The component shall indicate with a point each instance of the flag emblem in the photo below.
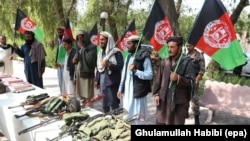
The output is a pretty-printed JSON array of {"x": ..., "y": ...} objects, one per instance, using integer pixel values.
[
  {"x": 217, "y": 34},
  {"x": 124, "y": 41},
  {"x": 162, "y": 31},
  {"x": 27, "y": 24},
  {"x": 94, "y": 40}
]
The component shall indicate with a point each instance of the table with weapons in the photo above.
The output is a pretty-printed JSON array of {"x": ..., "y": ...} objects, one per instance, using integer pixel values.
[{"x": 23, "y": 120}]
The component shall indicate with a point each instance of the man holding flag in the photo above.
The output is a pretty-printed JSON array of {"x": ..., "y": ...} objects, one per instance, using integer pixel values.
[
  {"x": 34, "y": 54},
  {"x": 135, "y": 83},
  {"x": 60, "y": 54},
  {"x": 173, "y": 85}
]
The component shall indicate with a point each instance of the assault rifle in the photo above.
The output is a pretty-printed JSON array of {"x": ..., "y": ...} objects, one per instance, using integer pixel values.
[
  {"x": 21, "y": 105},
  {"x": 39, "y": 109},
  {"x": 32, "y": 100},
  {"x": 53, "y": 119},
  {"x": 74, "y": 129}
]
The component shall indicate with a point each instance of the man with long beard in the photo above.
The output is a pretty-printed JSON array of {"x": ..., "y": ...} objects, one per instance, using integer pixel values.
[
  {"x": 136, "y": 79},
  {"x": 34, "y": 54},
  {"x": 109, "y": 66}
]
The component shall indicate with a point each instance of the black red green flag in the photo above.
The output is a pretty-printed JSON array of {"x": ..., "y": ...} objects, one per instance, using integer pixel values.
[
  {"x": 24, "y": 23},
  {"x": 67, "y": 31},
  {"x": 122, "y": 40},
  {"x": 214, "y": 34},
  {"x": 93, "y": 35},
  {"x": 157, "y": 28}
]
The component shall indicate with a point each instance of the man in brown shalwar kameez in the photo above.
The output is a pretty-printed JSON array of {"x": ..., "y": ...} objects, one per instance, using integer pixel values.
[{"x": 174, "y": 85}]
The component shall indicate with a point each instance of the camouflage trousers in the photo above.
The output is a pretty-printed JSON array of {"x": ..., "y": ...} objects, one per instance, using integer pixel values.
[{"x": 195, "y": 106}]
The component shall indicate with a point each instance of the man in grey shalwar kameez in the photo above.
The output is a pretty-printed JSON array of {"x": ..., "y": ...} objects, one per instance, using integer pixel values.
[{"x": 109, "y": 67}]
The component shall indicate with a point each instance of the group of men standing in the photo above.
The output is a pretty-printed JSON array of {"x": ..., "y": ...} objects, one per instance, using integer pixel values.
[{"x": 81, "y": 69}]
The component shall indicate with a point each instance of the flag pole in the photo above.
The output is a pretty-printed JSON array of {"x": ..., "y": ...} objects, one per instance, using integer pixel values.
[
  {"x": 138, "y": 45},
  {"x": 14, "y": 40},
  {"x": 177, "y": 65}
]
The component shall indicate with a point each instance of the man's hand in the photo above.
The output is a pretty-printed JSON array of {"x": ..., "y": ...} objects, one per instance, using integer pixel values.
[
  {"x": 74, "y": 82},
  {"x": 11, "y": 57},
  {"x": 96, "y": 85},
  {"x": 119, "y": 94},
  {"x": 105, "y": 63},
  {"x": 173, "y": 76},
  {"x": 42, "y": 70},
  {"x": 198, "y": 78},
  {"x": 132, "y": 67},
  {"x": 157, "y": 100},
  {"x": 75, "y": 60},
  {"x": 58, "y": 65},
  {"x": 15, "y": 46}
]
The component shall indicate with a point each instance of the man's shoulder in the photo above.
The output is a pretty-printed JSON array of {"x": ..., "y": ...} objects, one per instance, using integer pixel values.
[{"x": 37, "y": 43}]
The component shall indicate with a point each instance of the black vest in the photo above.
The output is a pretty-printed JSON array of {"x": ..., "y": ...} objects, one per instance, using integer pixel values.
[{"x": 141, "y": 87}]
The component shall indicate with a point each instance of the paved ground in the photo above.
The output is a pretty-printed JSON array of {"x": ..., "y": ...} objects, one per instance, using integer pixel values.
[{"x": 51, "y": 84}]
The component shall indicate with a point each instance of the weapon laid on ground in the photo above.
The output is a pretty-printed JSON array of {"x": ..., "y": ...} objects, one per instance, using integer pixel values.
[
  {"x": 74, "y": 129},
  {"x": 30, "y": 112},
  {"x": 56, "y": 118},
  {"x": 40, "y": 106},
  {"x": 73, "y": 105},
  {"x": 32, "y": 100},
  {"x": 21, "y": 105}
]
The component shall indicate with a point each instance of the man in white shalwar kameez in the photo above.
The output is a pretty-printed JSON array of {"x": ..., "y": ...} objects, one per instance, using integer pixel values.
[
  {"x": 6, "y": 56},
  {"x": 135, "y": 84},
  {"x": 68, "y": 84}
]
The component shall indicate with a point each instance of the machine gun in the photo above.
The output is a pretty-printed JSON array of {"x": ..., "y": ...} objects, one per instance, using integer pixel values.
[
  {"x": 53, "y": 119},
  {"x": 74, "y": 129}
]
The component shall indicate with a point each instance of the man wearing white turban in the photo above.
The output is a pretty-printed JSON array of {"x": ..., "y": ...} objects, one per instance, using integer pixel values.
[
  {"x": 109, "y": 66},
  {"x": 136, "y": 79}
]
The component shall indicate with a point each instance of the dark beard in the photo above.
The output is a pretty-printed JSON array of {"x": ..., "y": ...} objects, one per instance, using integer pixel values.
[
  {"x": 132, "y": 50},
  {"x": 29, "y": 42},
  {"x": 60, "y": 37}
]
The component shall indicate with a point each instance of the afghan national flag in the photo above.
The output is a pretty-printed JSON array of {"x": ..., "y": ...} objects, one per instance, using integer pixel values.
[
  {"x": 23, "y": 23},
  {"x": 67, "y": 31},
  {"x": 214, "y": 34},
  {"x": 157, "y": 28},
  {"x": 122, "y": 40},
  {"x": 93, "y": 35}
]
